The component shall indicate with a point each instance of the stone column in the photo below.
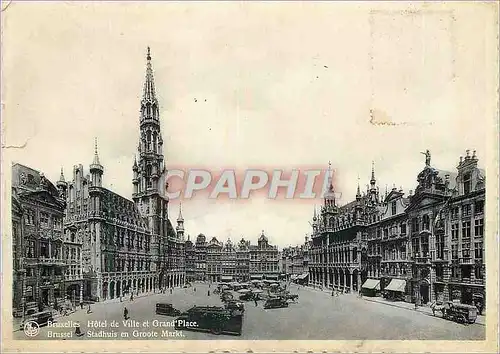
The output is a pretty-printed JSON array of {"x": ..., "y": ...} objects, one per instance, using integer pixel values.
[
  {"x": 345, "y": 281},
  {"x": 350, "y": 284},
  {"x": 359, "y": 281},
  {"x": 81, "y": 291}
]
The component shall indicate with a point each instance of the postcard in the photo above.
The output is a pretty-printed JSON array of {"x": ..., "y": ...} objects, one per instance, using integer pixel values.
[{"x": 250, "y": 176}]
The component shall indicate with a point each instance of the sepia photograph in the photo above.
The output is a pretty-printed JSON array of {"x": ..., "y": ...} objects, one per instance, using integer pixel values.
[{"x": 228, "y": 175}]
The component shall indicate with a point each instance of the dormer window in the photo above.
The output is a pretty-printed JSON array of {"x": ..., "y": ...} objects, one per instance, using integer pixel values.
[
  {"x": 393, "y": 206},
  {"x": 467, "y": 183}
]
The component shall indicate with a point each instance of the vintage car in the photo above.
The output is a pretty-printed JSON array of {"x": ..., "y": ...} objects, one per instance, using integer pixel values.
[
  {"x": 456, "y": 312},
  {"x": 226, "y": 296},
  {"x": 236, "y": 307},
  {"x": 293, "y": 297},
  {"x": 41, "y": 318},
  {"x": 163, "y": 308},
  {"x": 276, "y": 302},
  {"x": 247, "y": 296},
  {"x": 214, "y": 319}
]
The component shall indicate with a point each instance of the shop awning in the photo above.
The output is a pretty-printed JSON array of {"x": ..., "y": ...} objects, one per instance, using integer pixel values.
[
  {"x": 397, "y": 285},
  {"x": 293, "y": 277},
  {"x": 303, "y": 276},
  {"x": 256, "y": 276},
  {"x": 273, "y": 276},
  {"x": 226, "y": 278},
  {"x": 371, "y": 284}
]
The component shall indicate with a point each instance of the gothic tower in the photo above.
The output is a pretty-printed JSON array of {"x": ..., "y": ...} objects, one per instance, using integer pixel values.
[
  {"x": 180, "y": 225},
  {"x": 147, "y": 170}
]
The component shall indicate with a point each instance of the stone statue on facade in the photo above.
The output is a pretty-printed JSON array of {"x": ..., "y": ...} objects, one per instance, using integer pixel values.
[{"x": 427, "y": 154}]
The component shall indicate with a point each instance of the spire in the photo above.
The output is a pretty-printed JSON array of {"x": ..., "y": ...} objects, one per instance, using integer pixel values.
[
  {"x": 358, "y": 192},
  {"x": 135, "y": 163},
  {"x": 315, "y": 216},
  {"x": 180, "y": 218},
  {"x": 372, "y": 180},
  {"x": 330, "y": 183},
  {"x": 149, "y": 94},
  {"x": 96, "y": 155},
  {"x": 61, "y": 177}
]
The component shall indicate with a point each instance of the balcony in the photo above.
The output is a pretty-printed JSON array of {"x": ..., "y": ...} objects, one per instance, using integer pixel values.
[
  {"x": 466, "y": 260},
  {"x": 419, "y": 259},
  {"x": 45, "y": 261}
]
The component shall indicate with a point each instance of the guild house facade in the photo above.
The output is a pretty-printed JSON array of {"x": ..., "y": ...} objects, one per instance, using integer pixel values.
[
  {"x": 39, "y": 264},
  {"x": 89, "y": 242},
  {"x": 426, "y": 247},
  {"x": 216, "y": 261}
]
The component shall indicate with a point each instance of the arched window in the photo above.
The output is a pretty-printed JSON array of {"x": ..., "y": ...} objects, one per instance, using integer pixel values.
[
  {"x": 148, "y": 140},
  {"x": 155, "y": 147}
]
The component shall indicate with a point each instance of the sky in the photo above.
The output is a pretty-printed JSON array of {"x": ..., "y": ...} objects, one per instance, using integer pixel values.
[{"x": 254, "y": 84}]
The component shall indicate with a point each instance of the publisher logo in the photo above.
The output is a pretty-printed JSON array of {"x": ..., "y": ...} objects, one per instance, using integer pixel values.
[{"x": 31, "y": 329}]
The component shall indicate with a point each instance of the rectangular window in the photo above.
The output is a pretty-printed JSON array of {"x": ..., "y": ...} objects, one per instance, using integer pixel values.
[
  {"x": 479, "y": 227},
  {"x": 403, "y": 229},
  {"x": 466, "y": 210},
  {"x": 478, "y": 250},
  {"x": 466, "y": 250},
  {"x": 466, "y": 229},
  {"x": 479, "y": 207},
  {"x": 454, "y": 251},
  {"x": 454, "y": 213},
  {"x": 44, "y": 219},
  {"x": 454, "y": 231},
  {"x": 393, "y": 205}
]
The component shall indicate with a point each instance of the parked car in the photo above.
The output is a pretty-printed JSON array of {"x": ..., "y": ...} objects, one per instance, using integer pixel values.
[
  {"x": 41, "y": 318},
  {"x": 456, "y": 312},
  {"x": 214, "y": 319},
  {"x": 236, "y": 307},
  {"x": 247, "y": 297},
  {"x": 166, "y": 309},
  {"x": 293, "y": 297},
  {"x": 276, "y": 302}
]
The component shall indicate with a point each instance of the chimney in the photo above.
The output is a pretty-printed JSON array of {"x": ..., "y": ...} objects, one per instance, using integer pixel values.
[
  {"x": 446, "y": 180},
  {"x": 474, "y": 155},
  {"x": 410, "y": 193},
  {"x": 467, "y": 156},
  {"x": 461, "y": 159}
]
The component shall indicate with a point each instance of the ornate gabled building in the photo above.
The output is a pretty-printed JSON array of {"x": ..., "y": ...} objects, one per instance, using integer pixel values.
[
  {"x": 190, "y": 261},
  {"x": 264, "y": 260},
  {"x": 243, "y": 260},
  {"x": 39, "y": 245},
  {"x": 214, "y": 260},
  {"x": 388, "y": 248},
  {"x": 339, "y": 239},
  {"x": 229, "y": 260},
  {"x": 446, "y": 216},
  {"x": 201, "y": 258}
]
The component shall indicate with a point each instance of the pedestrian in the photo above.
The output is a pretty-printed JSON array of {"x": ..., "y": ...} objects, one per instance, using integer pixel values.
[
  {"x": 131, "y": 296},
  {"x": 208, "y": 292},
  {"x": 194, "y": 289},
  {"x": 125, "y": 313},
  {"x": 81, "y": 305},
  {"x": 78, "y": 331},
  {"x": 170, "y": 291},
  {"x": 255, "y": 300},
  {"x": 89, "y": 310}
]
